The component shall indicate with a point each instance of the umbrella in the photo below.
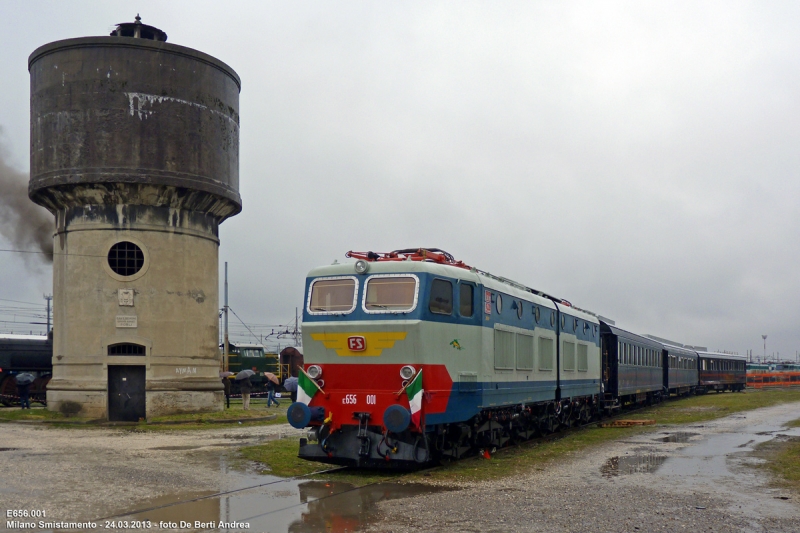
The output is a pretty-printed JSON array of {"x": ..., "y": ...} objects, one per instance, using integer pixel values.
[
  {"x": 290, "y": 384},
  {"x": 225, "y": 374},
  {"x": 244, "y": 374},
  {"x": 25, "y": 378},
  {"x": 270, "y": 376}
]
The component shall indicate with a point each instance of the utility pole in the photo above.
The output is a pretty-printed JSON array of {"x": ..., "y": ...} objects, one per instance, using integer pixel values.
[
  {"x": 48, "y": 297},
  {"x": 225, "y": 311},
  {"x": 765, "y": 347},
  {"x": 296, "y": 333}
]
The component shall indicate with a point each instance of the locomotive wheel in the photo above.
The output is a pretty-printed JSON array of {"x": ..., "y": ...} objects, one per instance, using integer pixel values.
[
  {"x": 549, "y": 424},
  {"x": 584, "y": 415}
]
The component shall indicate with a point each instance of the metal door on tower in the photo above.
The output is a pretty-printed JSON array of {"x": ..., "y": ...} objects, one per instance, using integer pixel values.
[{"x": 126, "y": 393}]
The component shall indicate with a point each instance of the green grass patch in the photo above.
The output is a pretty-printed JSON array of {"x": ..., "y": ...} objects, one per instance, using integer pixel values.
[
  {"x": 713, "y": 405},
  {"x": 186, "y": 421},
  {"x": 782, "y": 456},
  {"x": 234, "y": 413},
  {"x": 794, "y": 424},
  {"x": 35, "y": 414}
]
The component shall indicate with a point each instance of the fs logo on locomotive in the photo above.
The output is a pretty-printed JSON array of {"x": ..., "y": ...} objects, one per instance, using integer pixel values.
[{"x": 357, "y": 343}]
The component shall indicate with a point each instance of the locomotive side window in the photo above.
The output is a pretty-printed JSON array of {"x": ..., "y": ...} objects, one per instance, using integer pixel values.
[
  {"x": 524, "y": 351},
  {"x": 545, "y": 354},
  {"x": 503, "y": 350},
  {"x": 390, "y": 294},
  {"x": 441, "y": 301},
  {"x": 331, "y": 296},
  {"x": 465, "y": 305},
  {"x": 569, "y": 356},
  {"x": 583, "y": 358}
]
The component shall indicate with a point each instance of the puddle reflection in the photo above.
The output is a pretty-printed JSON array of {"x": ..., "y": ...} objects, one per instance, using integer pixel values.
[
  {"x": 286, "y": 506},
  {"x": 340, "y": 507},
  {"x": 679, "y": 437},
  {"x": 632, "y": 464}
]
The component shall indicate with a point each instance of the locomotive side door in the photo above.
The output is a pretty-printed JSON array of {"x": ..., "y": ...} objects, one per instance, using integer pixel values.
[{"x": 126, "y": 392}]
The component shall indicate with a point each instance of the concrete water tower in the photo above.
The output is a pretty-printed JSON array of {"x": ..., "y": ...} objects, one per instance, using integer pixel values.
[{"x": 135, "y": 150}]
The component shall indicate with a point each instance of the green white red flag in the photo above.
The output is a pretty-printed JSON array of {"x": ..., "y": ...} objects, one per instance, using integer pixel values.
[
  {"x": 414, "y": 391},
  {"x": 306, "y": 388}
]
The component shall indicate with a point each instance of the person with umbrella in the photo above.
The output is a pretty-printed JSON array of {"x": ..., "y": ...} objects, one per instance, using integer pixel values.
[
  {"x": 24, "y": 381},
  {"x": 291, "y": 385},
  {"x": 246, "y": 386},
  {"x": 272, "y": 385}
]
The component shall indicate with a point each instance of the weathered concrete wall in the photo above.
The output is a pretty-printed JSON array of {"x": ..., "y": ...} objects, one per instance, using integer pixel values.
[{"x": 175, "y": 305}]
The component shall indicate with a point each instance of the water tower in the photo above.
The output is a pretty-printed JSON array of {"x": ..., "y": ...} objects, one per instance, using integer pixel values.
[{"x": 135, "y": 150}]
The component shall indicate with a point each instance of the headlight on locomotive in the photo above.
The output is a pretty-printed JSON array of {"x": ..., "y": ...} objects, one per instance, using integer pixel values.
[
  {"x": 314, "y": 371},
  {"x": 407, "y": 372}
]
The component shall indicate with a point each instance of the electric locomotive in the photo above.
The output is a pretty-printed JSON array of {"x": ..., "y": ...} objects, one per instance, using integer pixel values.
[{"x": 418, "y": 357}]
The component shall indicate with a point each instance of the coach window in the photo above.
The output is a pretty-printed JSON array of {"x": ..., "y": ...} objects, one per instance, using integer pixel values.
[
  {"x": 441, "y": 301},
  {"x": 465, "y": 304},
  {"x": 536, "y": 313},
  {"x": 498, "y": 303}
]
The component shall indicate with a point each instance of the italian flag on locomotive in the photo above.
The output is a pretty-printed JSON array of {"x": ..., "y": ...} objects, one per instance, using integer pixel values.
[{"x": 412, "y": 356}]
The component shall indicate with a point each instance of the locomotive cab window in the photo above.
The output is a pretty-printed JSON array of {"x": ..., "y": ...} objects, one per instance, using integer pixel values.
[
  {"x": 441, "y": 299},
  {"x": 465, "y": 304},
  {"x": 390, "y": 294},
  {"x": 332, "y": 296}
]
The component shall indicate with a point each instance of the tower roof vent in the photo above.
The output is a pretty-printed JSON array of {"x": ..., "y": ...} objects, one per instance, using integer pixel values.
[{"x": 137, "y": 30}]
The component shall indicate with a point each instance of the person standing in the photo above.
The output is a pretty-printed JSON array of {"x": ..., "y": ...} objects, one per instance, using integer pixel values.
[
  {"x": 271, "y": 394},
  {"x": 226, "y": 382},
  {"x": 246, "y": 386},
  {"x": 23, "y": 390}
]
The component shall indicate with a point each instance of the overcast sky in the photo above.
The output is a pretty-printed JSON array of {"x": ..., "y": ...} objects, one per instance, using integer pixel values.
[{"x": 639, "y": 159}]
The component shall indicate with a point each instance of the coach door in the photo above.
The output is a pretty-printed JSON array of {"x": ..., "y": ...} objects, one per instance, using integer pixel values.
[{"x": 126, "y": 396}]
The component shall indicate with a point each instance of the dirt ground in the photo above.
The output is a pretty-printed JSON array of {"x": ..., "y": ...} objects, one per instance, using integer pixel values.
[
  {"x": 78, "y": 474},
  {"x": 689, "y": 478},
  {"x": 701, "y": 479}
]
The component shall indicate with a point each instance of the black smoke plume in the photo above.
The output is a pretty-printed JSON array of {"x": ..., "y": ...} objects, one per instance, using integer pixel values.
[{"x": 26, "y": 225}]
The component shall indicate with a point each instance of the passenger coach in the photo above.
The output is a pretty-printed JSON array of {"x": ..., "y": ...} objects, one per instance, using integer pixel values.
[{"x": 721, "y": 372}]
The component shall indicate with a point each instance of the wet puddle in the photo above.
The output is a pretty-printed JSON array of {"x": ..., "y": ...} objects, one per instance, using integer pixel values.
[
  {"x": 632, "y": 464},
  {"x": 679, "y": 437},
  {"x": 271, "y": 504}
]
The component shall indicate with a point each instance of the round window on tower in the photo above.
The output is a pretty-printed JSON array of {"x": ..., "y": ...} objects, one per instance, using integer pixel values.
[{"x": 125, "y": 258}]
